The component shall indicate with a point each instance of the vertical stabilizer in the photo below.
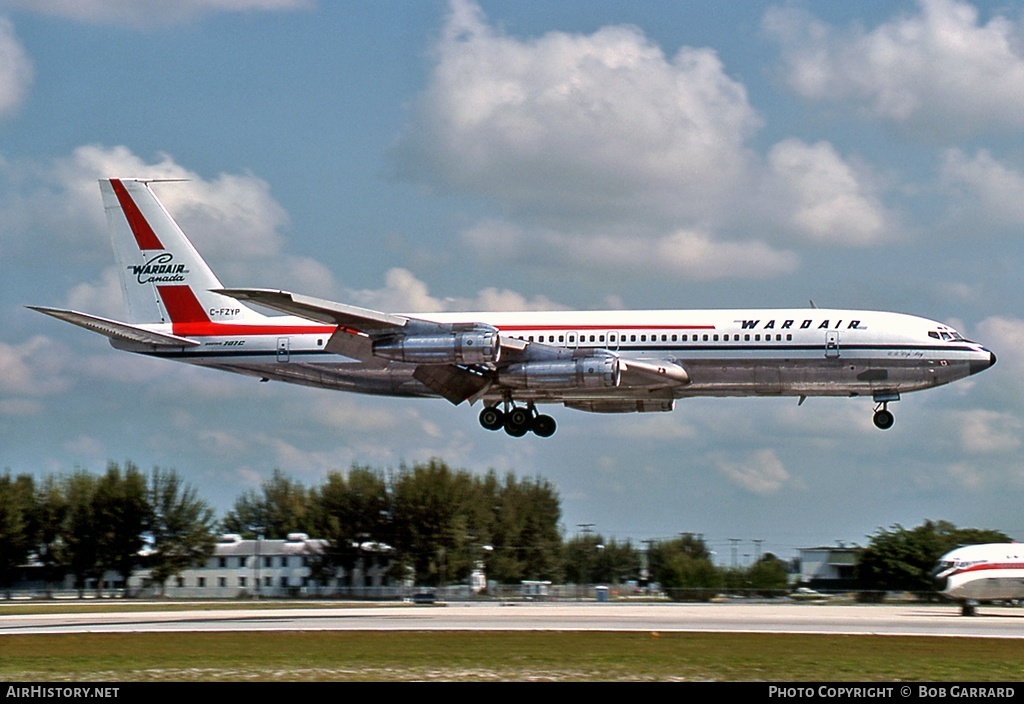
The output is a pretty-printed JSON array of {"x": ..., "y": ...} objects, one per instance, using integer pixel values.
[{"x": 163, "y": 277}]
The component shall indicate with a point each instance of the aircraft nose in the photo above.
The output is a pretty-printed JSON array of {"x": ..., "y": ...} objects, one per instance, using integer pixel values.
[
  {"x": 981, "y": 365},
  {"x": 940, "y": 578}
]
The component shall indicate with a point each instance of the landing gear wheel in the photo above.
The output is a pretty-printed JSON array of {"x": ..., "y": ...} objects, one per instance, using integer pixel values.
[
  {"x": 518, "y": 422},
  {"x": 544, "y": 426},
  {"x": 884, "y": 419},
  {"x": 492, "y": 418},
  {"x": 516, "y": 431}
]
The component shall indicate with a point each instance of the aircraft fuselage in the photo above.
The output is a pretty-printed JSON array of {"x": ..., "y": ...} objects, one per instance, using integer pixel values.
[{"x": 797, "y": 352}]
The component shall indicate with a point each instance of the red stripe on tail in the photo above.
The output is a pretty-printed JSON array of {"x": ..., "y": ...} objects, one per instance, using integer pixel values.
[
  {"x": 144, "y": 235},
  {"x": 182, "y": 305},
  {"x": 189, "y": 318}
]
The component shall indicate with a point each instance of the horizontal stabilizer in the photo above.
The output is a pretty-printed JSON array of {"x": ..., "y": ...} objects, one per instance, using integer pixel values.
[
  {"x": 318, "y": 309},
  {"x": 115, "y": 330}
]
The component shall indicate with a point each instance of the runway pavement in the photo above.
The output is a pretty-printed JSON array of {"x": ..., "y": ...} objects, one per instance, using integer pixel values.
[{"x": 913, "y": 619}]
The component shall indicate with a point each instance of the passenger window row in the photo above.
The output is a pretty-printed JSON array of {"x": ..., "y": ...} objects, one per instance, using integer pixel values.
[{"x": 613, "y": 338}]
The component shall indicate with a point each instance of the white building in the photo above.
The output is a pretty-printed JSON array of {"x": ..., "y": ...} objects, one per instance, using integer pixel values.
[
  {"x": 269, "y": 568},
  {"x": 828, "y": 567}
]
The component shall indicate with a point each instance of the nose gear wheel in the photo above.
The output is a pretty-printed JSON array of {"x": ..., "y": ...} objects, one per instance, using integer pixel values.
[{"x": 883, "y": 417}]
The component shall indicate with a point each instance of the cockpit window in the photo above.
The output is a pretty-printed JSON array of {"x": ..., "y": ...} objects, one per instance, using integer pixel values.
[{"x": 947, "y": 335}]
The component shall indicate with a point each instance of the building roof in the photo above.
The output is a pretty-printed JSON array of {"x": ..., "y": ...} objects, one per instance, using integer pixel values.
[{"x": 296, "y": 544}]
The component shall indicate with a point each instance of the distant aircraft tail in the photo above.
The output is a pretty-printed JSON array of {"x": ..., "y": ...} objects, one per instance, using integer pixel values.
[{"x": 163, "y": 277}]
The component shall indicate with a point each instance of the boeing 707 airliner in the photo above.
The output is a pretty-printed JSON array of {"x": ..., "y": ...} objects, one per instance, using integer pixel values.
[{"x": 599, "y": 361}]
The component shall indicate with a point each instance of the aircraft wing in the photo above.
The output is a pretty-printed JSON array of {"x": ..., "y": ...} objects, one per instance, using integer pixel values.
[
  {"x": 449, "y": 368},
  {"x": 355, "y": 320},
  {"x": 318, "y": 309},
  {"x": 121, "y": 332},
  {"x": 359, "y": 328}
]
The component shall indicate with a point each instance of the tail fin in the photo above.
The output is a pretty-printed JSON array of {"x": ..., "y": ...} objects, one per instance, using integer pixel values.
[{"x": 163, "y": 277}]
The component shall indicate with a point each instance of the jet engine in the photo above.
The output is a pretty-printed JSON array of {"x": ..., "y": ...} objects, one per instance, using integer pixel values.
[
  {"x": 477, "y": 346},
  {"x": 581, "y": 373}
]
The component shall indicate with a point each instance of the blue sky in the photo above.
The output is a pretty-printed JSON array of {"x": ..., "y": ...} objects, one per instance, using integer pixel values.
[{"x": 511, "y": 155}]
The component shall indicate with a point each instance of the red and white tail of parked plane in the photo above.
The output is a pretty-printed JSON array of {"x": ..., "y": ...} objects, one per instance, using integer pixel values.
[{"x": 598, "y": 361}]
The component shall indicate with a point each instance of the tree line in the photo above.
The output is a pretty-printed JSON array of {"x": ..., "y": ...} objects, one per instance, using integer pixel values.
[
  {"x": 426, "y": 522},
  {"x": 85, "y": 525}
]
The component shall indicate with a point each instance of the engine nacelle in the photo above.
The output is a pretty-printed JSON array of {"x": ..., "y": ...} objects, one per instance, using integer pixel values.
[
  {"x": 464, "y": 347},
  {"x": 582, "y": 373}
]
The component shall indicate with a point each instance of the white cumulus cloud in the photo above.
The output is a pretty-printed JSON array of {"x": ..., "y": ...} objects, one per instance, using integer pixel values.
[
  {"x": 987, "y": 188},
  {"x": 231, "y": 215},
  {"x": 148, "y": 13},
  {"x": 825, "y": 198},
  {"x": 404, "y": 292},
  {"x": 1004, "y": 335},
  {"x": 761, "y": 472},
  {"x": 986, "y": 431},
  {"x": 694, "y": 254},
  {"x": 16, "y": 70},
  {"x": 34, "y": 367},
  {"x": 578, "y": 124},
  {"x": 940, "y": 67},
  {"x": 603, "y": 151}
]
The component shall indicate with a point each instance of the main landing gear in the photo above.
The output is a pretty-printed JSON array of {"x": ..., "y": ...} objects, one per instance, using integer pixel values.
[
  {"x": 883, "y": 417},
  {"x": 517, "y": 420}
]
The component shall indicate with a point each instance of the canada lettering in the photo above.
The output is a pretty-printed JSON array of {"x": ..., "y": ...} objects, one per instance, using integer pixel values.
[{"x": 159, "y": 269}]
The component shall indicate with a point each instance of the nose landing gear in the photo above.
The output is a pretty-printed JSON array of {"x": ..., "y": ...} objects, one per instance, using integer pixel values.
[
  {"x": 518, "y": 420},
  {"x": 883, "y": 417}
]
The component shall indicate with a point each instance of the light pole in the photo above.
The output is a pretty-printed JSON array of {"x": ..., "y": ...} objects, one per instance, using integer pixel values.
[{"x": 259, "y": 542}]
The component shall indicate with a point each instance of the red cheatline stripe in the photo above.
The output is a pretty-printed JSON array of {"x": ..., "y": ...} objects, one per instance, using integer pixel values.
[
  {"x": 233, "y": 329},
  {"x": 993, "y": 566},
  {"x": 189, "y": 319},
  {"x": 144, "y": 235}
]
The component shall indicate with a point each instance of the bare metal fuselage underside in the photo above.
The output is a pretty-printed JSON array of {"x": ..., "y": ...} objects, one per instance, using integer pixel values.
[{"x": 792, "y": 372}]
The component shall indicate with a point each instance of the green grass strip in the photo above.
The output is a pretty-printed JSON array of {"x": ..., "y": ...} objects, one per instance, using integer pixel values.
[{"x": 504, "y": 656}]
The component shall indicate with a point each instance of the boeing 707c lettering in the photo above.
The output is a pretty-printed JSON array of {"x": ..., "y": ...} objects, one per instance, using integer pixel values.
[{"x": 599, "y": 361}]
